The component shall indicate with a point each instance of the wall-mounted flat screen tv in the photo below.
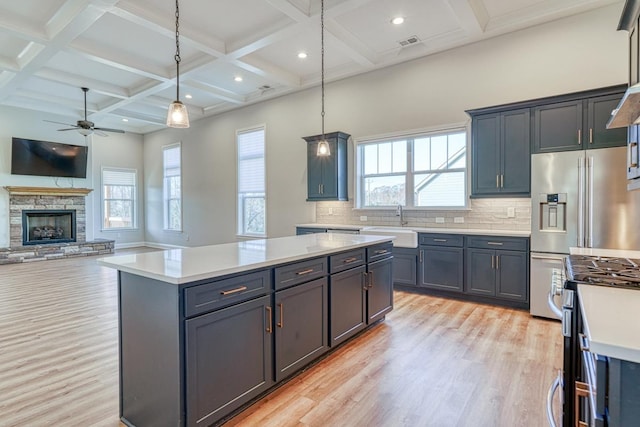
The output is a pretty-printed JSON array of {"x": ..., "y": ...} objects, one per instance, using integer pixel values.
[{"x": 43, "y": 158}]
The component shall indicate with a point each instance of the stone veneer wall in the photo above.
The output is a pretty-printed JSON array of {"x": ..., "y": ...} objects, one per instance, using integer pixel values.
[
  {"x": 55, "y": 251},
  {"x": 489, "y": 214},
  {"x": 17, "y": 203}
]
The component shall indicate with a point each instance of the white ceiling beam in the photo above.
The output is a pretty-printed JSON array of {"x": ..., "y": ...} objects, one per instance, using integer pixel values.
[
  {"x": 268, "y": 70},
  {"x": 289, "y": 9},
  {"x": 219, "y": 93},
  {"x": 471, "y": 15},
  {"x": 18, "y": 27},
  {"x": 349, "y": 44},
  {"x": 76, "y": 80}
]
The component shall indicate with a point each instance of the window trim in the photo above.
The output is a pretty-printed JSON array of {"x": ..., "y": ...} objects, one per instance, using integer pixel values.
[
  {"x": 410, "y": 173},
  {"x": 165, "y": 200},
  {"x": 135, "y": 200},
  {"x": 240, "y": 233}
]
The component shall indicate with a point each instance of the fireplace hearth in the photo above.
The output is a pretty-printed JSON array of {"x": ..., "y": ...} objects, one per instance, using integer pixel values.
[{"x": 47, "y": 226}]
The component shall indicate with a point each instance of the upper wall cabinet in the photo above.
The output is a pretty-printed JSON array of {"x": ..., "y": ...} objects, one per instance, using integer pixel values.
[
  {"x": 576, "y": 125},
  {"x": 327, "y": 175},
  {"x": 500, "y": 154}
]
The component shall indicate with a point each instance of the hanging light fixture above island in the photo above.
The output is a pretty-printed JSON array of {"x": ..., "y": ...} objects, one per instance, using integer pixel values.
[
  {"x": 177, "y": 116},
  {"x": 323, "y": 145}
]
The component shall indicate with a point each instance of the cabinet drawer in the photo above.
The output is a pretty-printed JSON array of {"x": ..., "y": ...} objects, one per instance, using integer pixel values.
[
  {"x": 503, "y": 243},
  {"x": 436, "y": 239},
  {"x": 300, "y": 272},
  {"x": 383, "y": 250},
  {"x": 346, "y": 260},
  {"x": 210, "y": 296}
]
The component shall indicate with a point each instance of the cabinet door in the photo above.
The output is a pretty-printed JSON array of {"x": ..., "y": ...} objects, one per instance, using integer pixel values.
[
  {"x": 480, "y": 272},
  {"x": 347, "y": 304},
  {"x": 228, "y": 360},
  {"x": 512, "y": 275},
  {"x": 301, "y": 316},
  {"x": 633, "y": 153},
  {"x": 485, "y": 154},
  {"x": 558, "y": 127},
  {"x": 405, "y": 266},
  {"x": 315, "y": 167},
  {"x": 329, "y": 189},
  {"x": 599, "y": 112},
  {"x": 442, "y": 268},
  {"x": 516, "y": 152},
  {"x": 380, "y": 289}
]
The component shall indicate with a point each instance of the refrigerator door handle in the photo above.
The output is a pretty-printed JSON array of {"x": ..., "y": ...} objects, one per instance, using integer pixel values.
[
  {"x": 581, "y": 180},
  {"x": 589, "y": 205}
]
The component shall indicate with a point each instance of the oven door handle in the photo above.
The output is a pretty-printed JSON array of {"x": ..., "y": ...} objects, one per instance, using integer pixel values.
[
  {"x": 557, "y": 383},
  {"x": 552, "y": 305}
]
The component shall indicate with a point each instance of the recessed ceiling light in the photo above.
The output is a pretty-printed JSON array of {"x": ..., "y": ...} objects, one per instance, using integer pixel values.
[
  {"x": 188, "y": 96},
  {"x": 397, "y": 20},
  {"x": 125, "y": 120},
  {"x": 302, "y": 55},
  {"x": 237, "y": 78}
]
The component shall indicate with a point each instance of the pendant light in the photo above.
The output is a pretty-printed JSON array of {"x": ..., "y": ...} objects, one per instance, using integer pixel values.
[
  {"x": 323, "y": 145},
  {"x": 177, "y": 116}
]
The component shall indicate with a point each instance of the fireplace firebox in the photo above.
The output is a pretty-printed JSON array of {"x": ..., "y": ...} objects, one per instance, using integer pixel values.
[{"x": 41, "y": 227}]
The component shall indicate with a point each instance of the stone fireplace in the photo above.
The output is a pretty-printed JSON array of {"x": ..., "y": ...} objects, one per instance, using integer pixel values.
[
  {"x": 48, "y": 226},
  {"x": 49, "y": 223}
]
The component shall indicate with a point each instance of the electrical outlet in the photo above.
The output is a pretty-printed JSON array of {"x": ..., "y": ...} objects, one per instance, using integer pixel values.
[
  {"x": 330, "y": 211},
  {"x": 458, "y": 219},
  {"x": 511, "y": 212},
  {"x": 187, "y": 237},
  {"x": 363, "y": 217},
  {"x": 439, "y": 220}
]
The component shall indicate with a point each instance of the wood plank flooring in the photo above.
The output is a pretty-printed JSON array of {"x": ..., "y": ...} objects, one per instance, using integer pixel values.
[{"x": 432, "y": 362}]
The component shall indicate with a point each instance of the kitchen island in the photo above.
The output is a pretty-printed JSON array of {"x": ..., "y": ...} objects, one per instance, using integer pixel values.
[{"x": 206, "y": 330}]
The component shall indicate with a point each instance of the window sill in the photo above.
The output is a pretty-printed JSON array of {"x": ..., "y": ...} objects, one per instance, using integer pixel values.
[
  {"x": 168, "y": 230},
  {"x": 251, "y": 236},
  {"x": 414, "y": 209}
]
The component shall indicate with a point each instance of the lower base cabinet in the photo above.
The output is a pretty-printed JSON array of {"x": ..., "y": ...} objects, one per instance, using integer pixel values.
[
  {"x": 230, "y": 347},
  {"x": 348, "y": 304},
  {"x": 301, "y": 322},
  {"x": 442, "y": 268},
  {"x": 379, "y": 289},
  {"x": 405, "y": 266}
]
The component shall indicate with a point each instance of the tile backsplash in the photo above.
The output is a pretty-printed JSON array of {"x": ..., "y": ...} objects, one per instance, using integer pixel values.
[{"x": 489, "y": 214}]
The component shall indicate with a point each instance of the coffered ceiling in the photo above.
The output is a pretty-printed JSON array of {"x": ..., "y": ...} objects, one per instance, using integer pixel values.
[{"x": 123, "y": 50}]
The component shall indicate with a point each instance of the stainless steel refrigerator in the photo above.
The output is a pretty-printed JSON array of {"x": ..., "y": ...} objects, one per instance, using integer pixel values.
[{"x": 578, "y": 199}]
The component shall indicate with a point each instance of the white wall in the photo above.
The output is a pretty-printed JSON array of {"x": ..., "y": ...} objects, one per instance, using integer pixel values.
[
  {"x": 115, "y": 150},
  {"x": 578, "y": 53}
]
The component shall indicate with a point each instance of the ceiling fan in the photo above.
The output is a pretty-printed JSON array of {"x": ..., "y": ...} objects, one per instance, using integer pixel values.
[{"x": 86, "y": 127}]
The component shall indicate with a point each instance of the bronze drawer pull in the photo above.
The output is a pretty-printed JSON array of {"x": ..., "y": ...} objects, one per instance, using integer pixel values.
[
  {"x": 439, "y": 240},
  {"x": 350, "y": 260},
  {"x": 269, "y": 319},
  {"x": 234, "y": 291},
  {"x": 300, "y": 273},
  {"x": 281, "y": 322},
  {"x": 380, "y": 251}
]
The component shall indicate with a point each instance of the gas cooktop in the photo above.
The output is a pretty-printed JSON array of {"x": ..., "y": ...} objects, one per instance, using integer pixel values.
[{"x": 596, "y": 270}]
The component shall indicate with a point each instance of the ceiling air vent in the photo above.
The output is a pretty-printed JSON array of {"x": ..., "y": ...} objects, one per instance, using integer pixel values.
[
  {"x": 264, "y": 87},
  {"x": 409, "y": 41}
]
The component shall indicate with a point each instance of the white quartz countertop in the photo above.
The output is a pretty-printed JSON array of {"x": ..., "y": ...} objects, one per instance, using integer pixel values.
[
  {"x": 470, "y": 231},
  {"x": 615, "y": 253},
  {"x": 204, "y": 262},
  {"x": 611, "y": 321}
]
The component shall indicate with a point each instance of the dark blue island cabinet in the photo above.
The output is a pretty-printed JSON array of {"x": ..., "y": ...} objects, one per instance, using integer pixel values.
[
  {"x": 327, "y": 175},
  {"x": 195, "y": 353}
]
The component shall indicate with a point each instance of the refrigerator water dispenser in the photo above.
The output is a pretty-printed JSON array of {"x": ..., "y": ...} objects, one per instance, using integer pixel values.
[{"x": 553, "y": 212}]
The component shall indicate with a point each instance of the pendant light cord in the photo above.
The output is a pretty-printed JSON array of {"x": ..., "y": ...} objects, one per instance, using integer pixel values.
[
  {"x": 177, "y": 57},
  {"x": 322, "y": 61}
]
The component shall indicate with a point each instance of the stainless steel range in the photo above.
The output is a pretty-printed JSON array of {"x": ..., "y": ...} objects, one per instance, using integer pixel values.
[{"x": 587, "y": 378}]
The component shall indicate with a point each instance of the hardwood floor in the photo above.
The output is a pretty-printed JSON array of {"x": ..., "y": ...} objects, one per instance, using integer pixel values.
[{"x": 432, "y": 362}]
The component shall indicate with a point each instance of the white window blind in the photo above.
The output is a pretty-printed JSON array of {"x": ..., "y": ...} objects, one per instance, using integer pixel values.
[
  {"x": 118, "y": 198},
  {"x": 172, "y": 186},
  {"x": 251, "y": 182}
]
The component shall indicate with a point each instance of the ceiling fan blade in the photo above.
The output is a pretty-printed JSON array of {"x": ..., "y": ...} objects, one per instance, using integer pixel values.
[
  {"x": 99, "y": 132},
  {"x": 59, "y": 123},
  {"x": 109, "y": 130},
  {"x": 68, "y": 129}
]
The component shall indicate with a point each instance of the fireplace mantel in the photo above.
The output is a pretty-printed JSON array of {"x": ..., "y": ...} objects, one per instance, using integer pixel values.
[{"x": 48, "y": 191}]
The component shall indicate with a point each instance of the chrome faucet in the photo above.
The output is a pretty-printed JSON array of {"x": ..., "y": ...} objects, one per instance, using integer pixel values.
[{"x": 399, "y": 213}]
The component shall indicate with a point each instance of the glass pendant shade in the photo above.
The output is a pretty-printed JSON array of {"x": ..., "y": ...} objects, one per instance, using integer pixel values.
[
  {"x": 177, "y": 116},
  {"x": 323, "y": 149}
]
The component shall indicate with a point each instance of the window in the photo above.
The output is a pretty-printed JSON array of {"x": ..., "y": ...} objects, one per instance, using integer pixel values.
[
  {"x": 118, "y": 198},
  {"x": 425, "y": 171},
  {"x": 172, "y": 187},
  {"x": 251, "y": 183}
]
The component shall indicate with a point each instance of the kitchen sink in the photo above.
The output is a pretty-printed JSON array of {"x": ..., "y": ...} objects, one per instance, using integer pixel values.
[{"x": 404, "y": 238}]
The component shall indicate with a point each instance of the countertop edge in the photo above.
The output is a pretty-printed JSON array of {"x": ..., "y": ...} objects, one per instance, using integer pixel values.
[
  {"x": 371, "y": 240},
  {"x": 470, "y": 231}
]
